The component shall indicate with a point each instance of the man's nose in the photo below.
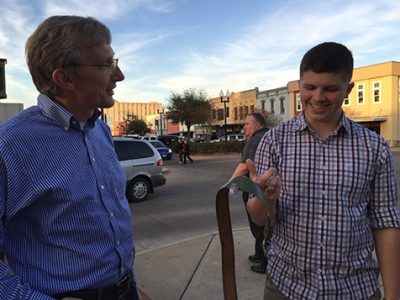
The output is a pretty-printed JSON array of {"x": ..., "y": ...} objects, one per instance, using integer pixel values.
[
  {"x": 118, "y": 75},
  {"x": 319, "y": 94}
]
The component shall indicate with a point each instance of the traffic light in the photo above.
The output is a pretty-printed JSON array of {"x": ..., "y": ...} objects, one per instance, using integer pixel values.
[{"x": 3, "y": 78}]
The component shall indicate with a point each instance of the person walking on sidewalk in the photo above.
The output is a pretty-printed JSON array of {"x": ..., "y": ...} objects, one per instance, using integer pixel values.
[
  {"x": 186, "y": 151},
  {"x": 66, "y": 227},
  {"x": 179, "y": 148},
  {"x": 254, "y": 129},
  {"x": 337, "y": 202}
]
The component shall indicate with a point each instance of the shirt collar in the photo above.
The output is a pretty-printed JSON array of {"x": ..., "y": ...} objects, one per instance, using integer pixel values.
[
  {"x": 344, "y": 123},
  {"x": 61, "y": 116},
  {"x": 261, "y": 130}
]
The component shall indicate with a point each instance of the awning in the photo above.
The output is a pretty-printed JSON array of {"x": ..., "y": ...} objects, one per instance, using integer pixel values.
[{"x": 369, "y": 119}]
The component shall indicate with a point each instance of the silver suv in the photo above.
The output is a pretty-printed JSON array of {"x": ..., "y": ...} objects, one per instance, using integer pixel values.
[
  {"x": 142, "y": 165},
  {"x": 230, "y": 138}
]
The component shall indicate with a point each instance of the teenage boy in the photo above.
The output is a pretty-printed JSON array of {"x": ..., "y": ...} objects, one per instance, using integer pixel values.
[{"x": 337, "y": 202}]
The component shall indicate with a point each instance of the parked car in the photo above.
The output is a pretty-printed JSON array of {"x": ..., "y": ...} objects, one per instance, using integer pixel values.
[
  {"x": 230, "y": 138},
  {"x": 197, "y": 139},
  {"x": 149, "y": 137},
  {"x": 166, "y": 153},
  {"x": 142, "y": 164},
  {"x": 169, "y": 140}
]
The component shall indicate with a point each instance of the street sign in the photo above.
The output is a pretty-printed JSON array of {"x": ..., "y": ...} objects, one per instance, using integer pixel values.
[{"x": 3, "y": 78}]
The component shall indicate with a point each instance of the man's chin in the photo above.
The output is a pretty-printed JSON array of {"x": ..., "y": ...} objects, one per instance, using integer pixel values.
[{"x": 108, "y": 103}]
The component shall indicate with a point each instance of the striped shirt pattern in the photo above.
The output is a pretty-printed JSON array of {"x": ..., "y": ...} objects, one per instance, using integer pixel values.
[
  {"x": 335, "y": 193},
  {"x": 65, "y": 221}
]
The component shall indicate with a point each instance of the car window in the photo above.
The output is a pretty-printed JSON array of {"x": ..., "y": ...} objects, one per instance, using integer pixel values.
[
  {"x": 157, "y": 144},
  {"x": 168, "y": 138},
  {"x": 127, "y": 150}
]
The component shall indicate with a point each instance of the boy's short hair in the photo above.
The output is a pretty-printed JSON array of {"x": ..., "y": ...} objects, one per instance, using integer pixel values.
[{"x": 328, "y": 57}]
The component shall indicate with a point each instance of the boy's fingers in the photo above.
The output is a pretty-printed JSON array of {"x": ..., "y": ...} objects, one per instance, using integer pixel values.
[
  {"x": 267, "y": 180},
  {"x": 241, "y": 170},
  {"x": 252, "y": 169}
]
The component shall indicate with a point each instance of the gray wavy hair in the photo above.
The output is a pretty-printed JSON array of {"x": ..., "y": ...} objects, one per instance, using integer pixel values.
[{"x": 57, "y": 43}]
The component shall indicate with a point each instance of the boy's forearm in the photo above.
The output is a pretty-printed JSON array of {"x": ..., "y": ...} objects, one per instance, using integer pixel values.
[
  {"x": 387, "y": 245},
  {"x": 258, "y": 212}
]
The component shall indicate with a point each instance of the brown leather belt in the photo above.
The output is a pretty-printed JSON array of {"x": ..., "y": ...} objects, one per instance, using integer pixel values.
[
  {"x": 225, "y": 231},
  {"x": 115, "y": 292}
]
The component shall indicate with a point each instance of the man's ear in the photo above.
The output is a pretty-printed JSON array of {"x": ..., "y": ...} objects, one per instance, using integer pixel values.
[{"x": 62, "y": 79}]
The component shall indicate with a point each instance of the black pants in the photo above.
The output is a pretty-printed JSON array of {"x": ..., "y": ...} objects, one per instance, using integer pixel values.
[
  {"x": 186, "y": 155},
  {"x": 256, "y": 230}
]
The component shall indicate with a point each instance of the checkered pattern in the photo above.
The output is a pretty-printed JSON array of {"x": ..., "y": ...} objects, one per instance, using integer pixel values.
[{"x": 335, "y": 192}]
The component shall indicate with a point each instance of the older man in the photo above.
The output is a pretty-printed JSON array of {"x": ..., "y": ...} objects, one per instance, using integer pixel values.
[
  {"x": 254, "y": 129},
  {"x": 65, "y": 221}
]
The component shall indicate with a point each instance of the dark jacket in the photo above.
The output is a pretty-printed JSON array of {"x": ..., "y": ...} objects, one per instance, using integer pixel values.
[{"x": 249, "y": 150}]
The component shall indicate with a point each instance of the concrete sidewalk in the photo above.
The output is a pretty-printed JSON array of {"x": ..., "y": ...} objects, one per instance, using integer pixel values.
[{"x": 192, "y": 269}]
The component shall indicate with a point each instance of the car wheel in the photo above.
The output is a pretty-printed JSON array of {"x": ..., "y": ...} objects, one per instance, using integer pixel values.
[{"x": 138, "y": 189}]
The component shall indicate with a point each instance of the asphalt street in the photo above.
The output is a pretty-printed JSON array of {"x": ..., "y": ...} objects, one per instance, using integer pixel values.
[{"x": 185, "y": 206}]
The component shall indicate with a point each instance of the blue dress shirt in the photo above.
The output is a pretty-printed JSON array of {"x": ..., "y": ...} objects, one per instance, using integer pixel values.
[{"x": 65, "y": 223}]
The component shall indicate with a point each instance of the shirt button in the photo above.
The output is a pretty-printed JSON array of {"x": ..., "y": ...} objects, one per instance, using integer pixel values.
[
  {"x": 93, "y": 159},
  {"x": 66, "y": 128},
  {"x": 111, "y": 214},
  {"x": 102, "y": 187},
  {"x": 322, "y": 218},
  {"x": 118, "y": 243},
  {"x": 122, "y": 270},
  {"x": 322, "y": 245},
  {"x": 319, "y": 271}
]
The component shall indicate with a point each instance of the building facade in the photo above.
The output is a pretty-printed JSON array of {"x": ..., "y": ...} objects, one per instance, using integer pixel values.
[
  {"x": 239, "y": 105},
  {"x": 149, "y": 112},
  {"x": 274, "y": 101},
  {"x": 295, "y": 107},
  {"x": 373, "y": 102}
]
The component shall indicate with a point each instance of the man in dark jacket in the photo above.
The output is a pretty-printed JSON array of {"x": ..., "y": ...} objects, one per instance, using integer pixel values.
[
  {"x": 186, "y": 151},
  {"x": 254, "y": 129}
]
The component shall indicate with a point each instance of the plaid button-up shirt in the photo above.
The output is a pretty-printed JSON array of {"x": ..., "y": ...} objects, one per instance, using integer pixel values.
[{"x": 335, "y": 193}]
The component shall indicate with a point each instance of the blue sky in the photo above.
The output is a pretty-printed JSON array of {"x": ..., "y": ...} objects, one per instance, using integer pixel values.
[{"x": 173, "y": 45}]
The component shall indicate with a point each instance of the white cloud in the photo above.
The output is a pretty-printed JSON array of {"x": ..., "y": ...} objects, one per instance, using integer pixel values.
[
  {"x": 103, "y": 9},
  {"x": 158, "y": 57},
  {"x": 267, "y": 53}
]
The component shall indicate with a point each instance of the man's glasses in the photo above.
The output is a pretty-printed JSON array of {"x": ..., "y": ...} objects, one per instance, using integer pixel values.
[{"x": 111, "y": 67}]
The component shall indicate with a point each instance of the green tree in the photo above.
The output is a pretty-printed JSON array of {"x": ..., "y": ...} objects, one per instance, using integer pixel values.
[
  {"x": 189, "y": 108},
  {"x": 136, "y": 125},
  {"x": 271, "y": 119}
]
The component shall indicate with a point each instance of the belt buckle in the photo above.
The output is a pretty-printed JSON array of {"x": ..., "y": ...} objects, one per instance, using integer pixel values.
[{"x": 122, "y": 286}]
